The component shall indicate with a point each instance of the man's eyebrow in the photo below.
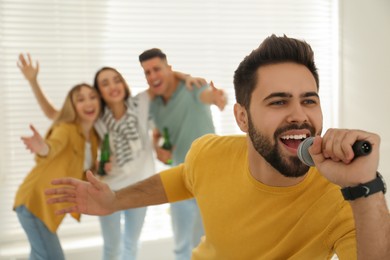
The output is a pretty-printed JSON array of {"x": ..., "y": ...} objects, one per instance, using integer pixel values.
[
  {"x": 278, "y": 94},
  {"x": 288, "y": 95},
  {"x": 310, "y": 94}
]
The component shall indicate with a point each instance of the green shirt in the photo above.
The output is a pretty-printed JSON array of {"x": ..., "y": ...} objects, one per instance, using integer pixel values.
[{"x": 185, "y": 116}]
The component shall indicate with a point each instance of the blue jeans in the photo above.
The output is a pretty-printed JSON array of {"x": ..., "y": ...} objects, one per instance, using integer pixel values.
[
  {"x": 187, "y": 227},
  {"x": 45, "y": 245},
  {"x": 118, "y": 244}
]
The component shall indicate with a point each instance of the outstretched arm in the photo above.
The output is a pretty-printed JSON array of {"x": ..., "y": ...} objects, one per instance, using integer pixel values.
[
  {"x": 214, "y": 96},
  {"x": 96, "y": 198},
  {"x": 31, "y": 74},
  {"x": 190, "y": 81}
]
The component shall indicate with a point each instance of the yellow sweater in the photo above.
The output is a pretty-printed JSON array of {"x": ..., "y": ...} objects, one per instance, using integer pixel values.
[
  {"x": 65, "y": 159},
  {"x": 247, "y": 220}
]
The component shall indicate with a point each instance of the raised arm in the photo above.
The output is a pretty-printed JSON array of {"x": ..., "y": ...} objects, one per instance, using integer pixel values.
[
  {"x": 333, "y": 156},
  {"x": 214, "y": 96},
  {"x": 96, "y": 198},
  {"x": 190, "y": 81},
  {"x": 31, "y": 74}
]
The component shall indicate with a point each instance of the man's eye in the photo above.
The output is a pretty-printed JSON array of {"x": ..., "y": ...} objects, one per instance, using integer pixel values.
[
  {"x": 278, "y": 103},
  {"x": 309, "y": 101}
]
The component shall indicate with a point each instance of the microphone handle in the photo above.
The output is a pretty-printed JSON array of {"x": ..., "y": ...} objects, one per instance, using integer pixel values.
[{"x": 361, "y": 148}]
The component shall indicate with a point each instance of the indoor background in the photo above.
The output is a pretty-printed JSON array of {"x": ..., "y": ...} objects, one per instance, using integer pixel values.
[{"x": 208, "y": 38}]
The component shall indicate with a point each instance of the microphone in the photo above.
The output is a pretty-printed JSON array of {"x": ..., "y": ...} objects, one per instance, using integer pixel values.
[{"x": 359, "y": 148}]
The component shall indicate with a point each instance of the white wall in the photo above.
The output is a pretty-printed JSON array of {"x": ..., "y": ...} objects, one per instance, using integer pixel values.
[{"x": 365, "y": 71}]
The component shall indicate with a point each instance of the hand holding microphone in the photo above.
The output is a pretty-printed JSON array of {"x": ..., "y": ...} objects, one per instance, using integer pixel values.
[{"x": 359, "y": 148}]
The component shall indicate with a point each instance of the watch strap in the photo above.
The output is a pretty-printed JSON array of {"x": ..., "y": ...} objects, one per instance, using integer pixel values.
[{"x": 365, "y": 189}]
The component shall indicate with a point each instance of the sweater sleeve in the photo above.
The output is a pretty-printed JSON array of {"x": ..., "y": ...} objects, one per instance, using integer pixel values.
[
  {"x": 174, "y": 184},
  {"x": 57, "y": 139},
  {"x": 179, "y": 181}
]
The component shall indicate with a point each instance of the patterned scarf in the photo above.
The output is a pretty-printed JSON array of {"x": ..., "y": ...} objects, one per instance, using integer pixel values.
[{"x": 127, "y": 142}]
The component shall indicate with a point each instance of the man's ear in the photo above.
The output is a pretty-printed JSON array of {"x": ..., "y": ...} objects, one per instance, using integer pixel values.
[{"x": 241, "y": 116}]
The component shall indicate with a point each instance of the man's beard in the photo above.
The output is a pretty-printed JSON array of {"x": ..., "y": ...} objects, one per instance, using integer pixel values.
[{"x": 289, "y": 166}]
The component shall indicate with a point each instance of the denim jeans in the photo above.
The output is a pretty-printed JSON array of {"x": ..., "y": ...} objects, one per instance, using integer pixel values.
[
  {"x": 187, "y": 228},
  {"x": 45, "y": 245},
  {"x": 120, "y": 244}
]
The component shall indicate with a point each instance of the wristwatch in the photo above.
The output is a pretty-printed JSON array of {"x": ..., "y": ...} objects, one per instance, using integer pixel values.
[{"x": 365, "y": 189}]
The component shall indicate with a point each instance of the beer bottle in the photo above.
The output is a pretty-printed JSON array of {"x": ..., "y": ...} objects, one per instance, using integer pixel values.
[
  {"x": 104, "y": 155},
  {"x": 167, "y": 145}
]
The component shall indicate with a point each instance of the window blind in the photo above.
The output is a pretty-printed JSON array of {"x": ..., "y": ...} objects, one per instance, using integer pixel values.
[{"x": 72, "y": 39}]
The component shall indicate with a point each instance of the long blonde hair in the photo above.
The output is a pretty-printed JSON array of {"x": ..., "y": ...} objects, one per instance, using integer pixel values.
[{"x": 68, "y": 113}]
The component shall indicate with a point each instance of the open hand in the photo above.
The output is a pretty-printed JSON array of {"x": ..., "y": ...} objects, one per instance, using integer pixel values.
[
  {"x": 35, "y": 143},
  {"x": 219, "y": 97},
  {"x": 93, "y": 197},
  {"x": 27, "y": 68}
]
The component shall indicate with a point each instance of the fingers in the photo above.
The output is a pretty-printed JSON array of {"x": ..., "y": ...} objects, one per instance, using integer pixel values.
[
  {"x": 67, "y": 210},
  {"x": 156, "y": 133},
  {"x": 189, "y": 82},
  {"x": 26, "y": 66},
  {"x": 61, "y": 200},
  {"x": 22, "y": 60},
  {"x": 219, "y": 96},
  {"x": 34, "y": 130},
  {"x": 201, "y": 82},
  {"x": 65, "y": 181},
  {"x": 198, "y": 82},
  {"x": 315, "y": 150},
  {"x": 212, "y": 85},
  {"x": 29, "y": 58},
  {"x": 195, "y": 81},
  {"x": 26, "y": 142},
  {"x": 94, "y": 181},
  {"x": 108, "y": 167},
  {"x": 65, "y": 190},
  {"x": 336, "y": 144}
]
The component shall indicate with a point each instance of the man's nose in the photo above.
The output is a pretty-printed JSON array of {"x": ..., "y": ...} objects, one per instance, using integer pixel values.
[{"x": 297, "y": 114}]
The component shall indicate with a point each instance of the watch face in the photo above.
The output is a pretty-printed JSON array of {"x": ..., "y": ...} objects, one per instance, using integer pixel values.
[{"x": 384, "y": 183}]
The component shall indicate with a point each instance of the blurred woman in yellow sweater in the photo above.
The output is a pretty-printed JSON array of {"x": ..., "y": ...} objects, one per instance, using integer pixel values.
[{"x": 69, "y": 148}]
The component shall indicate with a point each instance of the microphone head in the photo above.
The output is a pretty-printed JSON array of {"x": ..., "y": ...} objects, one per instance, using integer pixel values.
[{"x": 303, "y": 151}]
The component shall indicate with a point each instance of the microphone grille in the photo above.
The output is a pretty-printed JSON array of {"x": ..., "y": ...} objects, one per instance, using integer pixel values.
[{"x": 303, "y": 152}]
